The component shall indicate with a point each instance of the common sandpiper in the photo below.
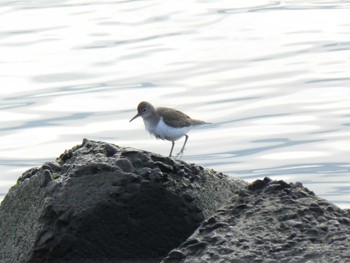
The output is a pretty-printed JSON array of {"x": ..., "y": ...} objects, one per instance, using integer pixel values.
[{"x": 166, "y": 123}]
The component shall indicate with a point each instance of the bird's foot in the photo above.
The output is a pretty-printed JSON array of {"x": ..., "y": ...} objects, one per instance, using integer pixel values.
[{"x": 180, "y": 154}]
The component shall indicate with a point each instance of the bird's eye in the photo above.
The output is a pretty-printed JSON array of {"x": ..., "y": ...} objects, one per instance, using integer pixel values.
[{"x": 144, "y": 110}]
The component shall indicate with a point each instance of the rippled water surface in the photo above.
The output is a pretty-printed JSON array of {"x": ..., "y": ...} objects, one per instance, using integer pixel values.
[{"x": 272, "y": 76}]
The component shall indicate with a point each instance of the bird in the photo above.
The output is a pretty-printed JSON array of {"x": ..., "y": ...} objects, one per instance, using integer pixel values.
[{"x": 166, "y": 123}]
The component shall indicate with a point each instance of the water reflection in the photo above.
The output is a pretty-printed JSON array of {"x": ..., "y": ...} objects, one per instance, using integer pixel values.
[
  {"x": 276, "y": 88},
  {"x": 319, "y": 170}
]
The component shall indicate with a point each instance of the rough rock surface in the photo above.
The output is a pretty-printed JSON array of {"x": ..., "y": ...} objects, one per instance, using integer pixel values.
[
  {"x": 102, "y": 203},
  {"x": 270, "y": 221}
]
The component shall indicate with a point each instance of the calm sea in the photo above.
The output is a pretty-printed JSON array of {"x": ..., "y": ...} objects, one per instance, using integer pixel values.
[{"x": 272, "y": 76}]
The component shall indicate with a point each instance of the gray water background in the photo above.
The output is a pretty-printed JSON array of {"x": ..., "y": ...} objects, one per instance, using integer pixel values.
[{"x": 272, "y": 76}]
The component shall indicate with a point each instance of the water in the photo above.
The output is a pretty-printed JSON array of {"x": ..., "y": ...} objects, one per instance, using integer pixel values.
[{"x": 272, "y": 76}]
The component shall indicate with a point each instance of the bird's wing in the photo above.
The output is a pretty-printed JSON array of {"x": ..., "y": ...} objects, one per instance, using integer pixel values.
[{"x": 173, "y": 117}]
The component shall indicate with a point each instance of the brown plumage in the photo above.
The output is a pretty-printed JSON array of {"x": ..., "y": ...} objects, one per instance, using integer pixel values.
[
  {"x": 166, "y": 123},
  {"x": 175, "y": 118}
]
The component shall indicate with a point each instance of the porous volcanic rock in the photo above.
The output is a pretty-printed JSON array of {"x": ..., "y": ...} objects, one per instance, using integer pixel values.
[
  {"x": 102, "y": 203},
  {"x": 270, "y": 221}
]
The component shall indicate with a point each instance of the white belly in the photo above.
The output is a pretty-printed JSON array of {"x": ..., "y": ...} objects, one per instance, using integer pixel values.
[{"x": 166, "y": 132}]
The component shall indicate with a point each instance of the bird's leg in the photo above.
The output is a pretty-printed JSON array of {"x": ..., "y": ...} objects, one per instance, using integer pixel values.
[
  {"x": 183, "y": 147},
  {"x": 172, "y": 147}
]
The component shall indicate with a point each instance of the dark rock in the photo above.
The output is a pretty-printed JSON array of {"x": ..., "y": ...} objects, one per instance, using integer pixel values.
[
  {"x": 266, "y": 223},
  {"x": 163, "y": 166},
  {"x": 52, "y": 166},
  {"x": 28, "y": 174},
  {"x": 125, "y": 165},
  {"x": 257, "y": 185},
  {"x": 176, "y": 255},
  {"x": 46, "y": 178},
  {"x": 102, "y": 203}
]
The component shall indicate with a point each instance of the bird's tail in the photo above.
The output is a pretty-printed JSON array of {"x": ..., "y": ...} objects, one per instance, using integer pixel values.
[{"x": 199, "y": 122}]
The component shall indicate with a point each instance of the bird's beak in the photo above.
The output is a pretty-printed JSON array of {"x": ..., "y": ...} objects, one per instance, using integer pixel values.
[{"x": 137, "y": 115}]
